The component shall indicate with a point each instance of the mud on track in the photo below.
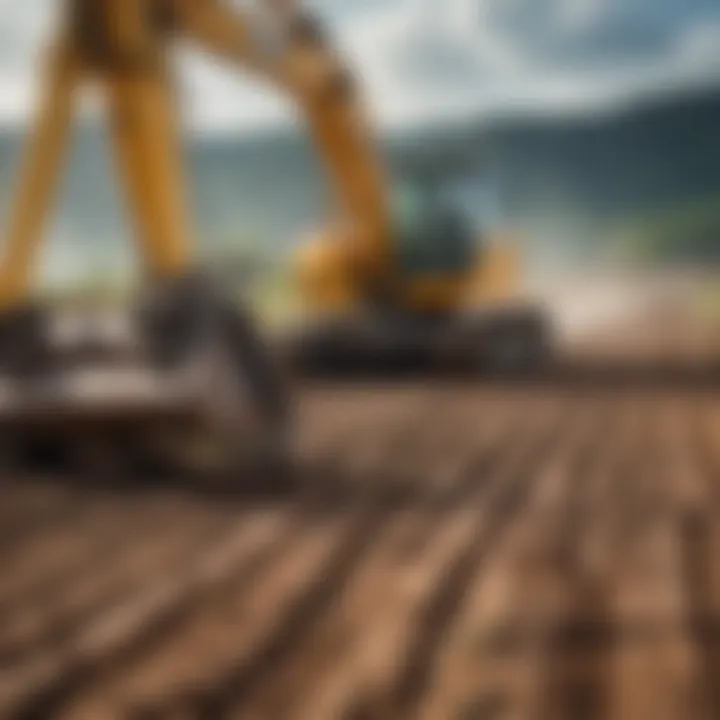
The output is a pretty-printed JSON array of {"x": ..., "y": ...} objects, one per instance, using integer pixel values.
[{"x": 458, "y": 550}]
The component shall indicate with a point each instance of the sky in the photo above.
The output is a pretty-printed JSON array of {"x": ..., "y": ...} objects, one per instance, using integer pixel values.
[{"x": 427, "y": 60}]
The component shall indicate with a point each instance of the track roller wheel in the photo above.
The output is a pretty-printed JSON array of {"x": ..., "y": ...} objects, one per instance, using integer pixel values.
[{"x": 517, "y": 345}]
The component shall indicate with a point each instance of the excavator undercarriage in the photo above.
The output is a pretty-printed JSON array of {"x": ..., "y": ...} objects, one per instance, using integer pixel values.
[
  {"x": 493, "y": 341},
  {"x": 186, "y": 388}
]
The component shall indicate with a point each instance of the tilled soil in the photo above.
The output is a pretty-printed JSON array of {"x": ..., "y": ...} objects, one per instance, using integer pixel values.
[{"x": 456, "y": 549}]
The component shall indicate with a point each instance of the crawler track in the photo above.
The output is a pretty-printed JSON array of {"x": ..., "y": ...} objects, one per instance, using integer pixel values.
[{"x": 457, "y": 550}]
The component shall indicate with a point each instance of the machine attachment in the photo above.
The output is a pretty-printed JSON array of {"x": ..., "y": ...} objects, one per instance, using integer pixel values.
[{"x": 187, "y": 389}]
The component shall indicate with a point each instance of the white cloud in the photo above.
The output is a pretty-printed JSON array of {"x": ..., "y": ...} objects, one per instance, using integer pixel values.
[
  {"x": 548, "y": 55},
  {"x": 420, "y": 59},
  {"x": 699, "y": 48},
  {"x": 24, "y": 27},
  {"x": 216, "y": 97}
]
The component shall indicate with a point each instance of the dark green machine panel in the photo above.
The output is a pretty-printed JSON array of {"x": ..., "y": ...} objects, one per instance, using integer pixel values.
[{"x": 431, "y": 235}]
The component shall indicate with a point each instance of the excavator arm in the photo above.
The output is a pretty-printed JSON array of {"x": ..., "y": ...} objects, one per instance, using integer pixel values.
[
  {"x": 121, "y": 44},
  {"x": 296, "y": 58}
]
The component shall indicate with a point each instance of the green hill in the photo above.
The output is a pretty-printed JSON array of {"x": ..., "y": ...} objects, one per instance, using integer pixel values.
[{"x": 569, "y": 186}]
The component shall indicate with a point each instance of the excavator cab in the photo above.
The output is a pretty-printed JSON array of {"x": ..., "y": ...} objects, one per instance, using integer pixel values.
[{"x": 433, "y": 235}]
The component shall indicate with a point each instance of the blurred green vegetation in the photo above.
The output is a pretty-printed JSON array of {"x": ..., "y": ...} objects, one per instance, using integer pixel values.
[
  {"x": 249, "y": 271},
  {"x": 102, "y": 290},
  {"x": 255, "y": 272},
  {"x": 680, "y": 235},
  {"x": 687, "y": 234}
]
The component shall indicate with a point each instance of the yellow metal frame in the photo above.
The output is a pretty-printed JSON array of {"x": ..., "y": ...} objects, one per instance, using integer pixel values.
[{"x": 121, "y": 45}]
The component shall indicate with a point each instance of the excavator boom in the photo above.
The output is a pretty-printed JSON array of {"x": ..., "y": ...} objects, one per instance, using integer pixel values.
[{"x": 295, "y": 56}]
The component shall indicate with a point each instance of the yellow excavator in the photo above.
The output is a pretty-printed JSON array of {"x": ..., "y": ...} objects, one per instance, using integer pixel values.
[
  {"x": 197, "y": 374},
  {"x": 451, "y": 296},
  {"x": 402, "y": 277},
  {"x": 195, "y": 382}
]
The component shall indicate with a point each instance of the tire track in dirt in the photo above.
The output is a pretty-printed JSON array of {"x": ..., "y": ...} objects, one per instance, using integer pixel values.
[
  {"x": 403, "y": 693},
  {"x": 46, "y": 568},
  {"x": 647, "y": 586},
  {"x": 126, "y": 628},
  {"x": 38, "y": 628},
  {"x": 424, "y": 540},
  {"x": 485, "y": 667},
  {"x": 460, "y": 550},
  {"x": 574, "y": 638},
  {"x": 368, "y": 451},
  {"x": 698, "y": 533}
]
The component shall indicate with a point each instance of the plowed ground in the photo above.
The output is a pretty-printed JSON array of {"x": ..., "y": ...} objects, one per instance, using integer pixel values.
[{"x": 461, "y": 550}]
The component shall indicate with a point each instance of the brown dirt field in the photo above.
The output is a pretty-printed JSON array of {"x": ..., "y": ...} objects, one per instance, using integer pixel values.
[{"x": 458, "y": 549}]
